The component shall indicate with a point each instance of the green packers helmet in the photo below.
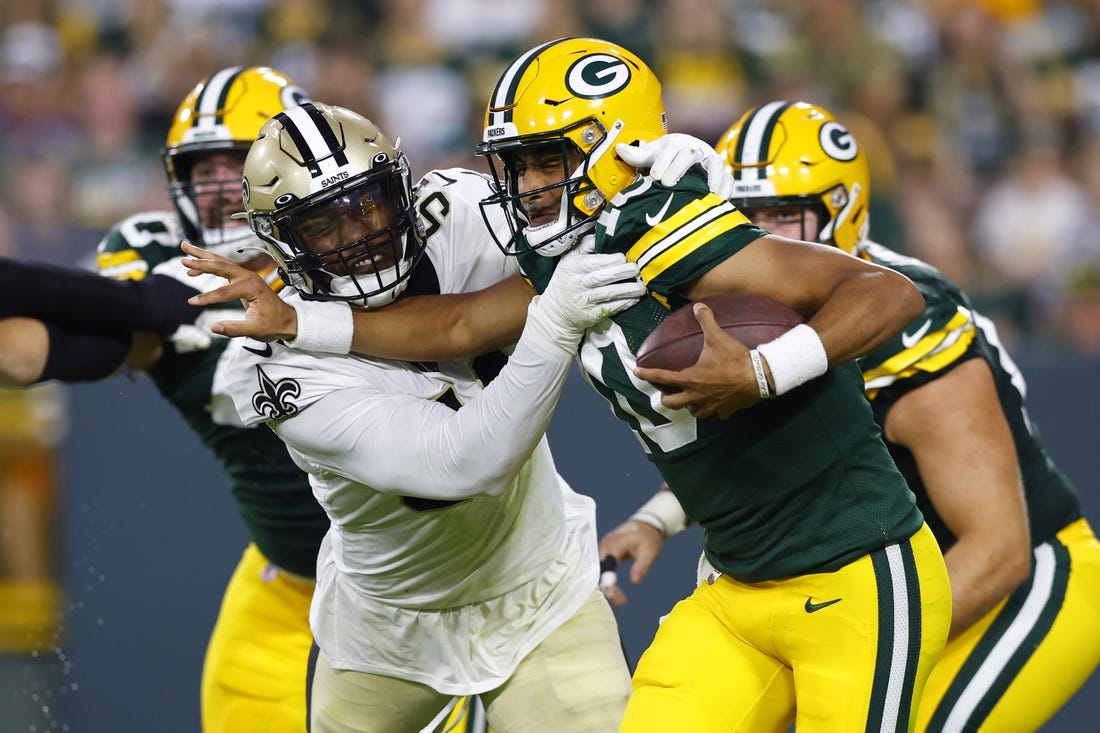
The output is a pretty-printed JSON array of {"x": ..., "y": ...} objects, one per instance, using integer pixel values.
[
  {"x": 797, "y": 154},
  {"x": 332, "y": 199},
  {"x": 222, "y": 113},
  {"x": 579, "y": 94}
]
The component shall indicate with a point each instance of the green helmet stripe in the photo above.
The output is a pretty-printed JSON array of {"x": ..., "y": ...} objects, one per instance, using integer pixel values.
[
  {"x": 213, "y": 97},
  {"x": 504, "y": 95},
  {"x": 755, "y": 140}
]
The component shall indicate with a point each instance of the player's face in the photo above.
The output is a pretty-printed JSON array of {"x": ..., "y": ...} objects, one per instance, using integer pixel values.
[
  {"x": 541, "y": 170},
  {"x": 216, "y": 183},
  {"x": 793, "y": 222},
  {"x": 359, "y": 214}
]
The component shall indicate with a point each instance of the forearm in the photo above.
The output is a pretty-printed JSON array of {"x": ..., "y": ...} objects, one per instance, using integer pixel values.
[
  {"x": 865, "y": 311},
  {"x": 24, "y": 347},
  {"x": 82, "y": 301},
  {"x": 436, "y": 328},
  {"x": 955, "y": 428},
  {"x": 982, "y": 574},
  {"x": 32, "y": 351},
  {"x": 412, "y": 446}
]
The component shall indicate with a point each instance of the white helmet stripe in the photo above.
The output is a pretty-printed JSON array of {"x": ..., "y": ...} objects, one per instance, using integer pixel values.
[
  {"x": 752, "y": 148},
  {"x": 319, "y": 148},
  {"x": 504, "y": 95},
  {"x": 213, "y": 96}
]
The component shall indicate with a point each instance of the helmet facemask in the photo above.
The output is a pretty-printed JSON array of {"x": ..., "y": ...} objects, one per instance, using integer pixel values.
[
  {"x": 222, "y": 115},
  {"x": 355, "y": 242},
  {"x": 785, "y": 154},
  {"x": 559, "y": 235},
  {"x": 332, "y": 199},
  {"x": 751, "y": 206},
  {"x": 207, "y": 209},
  {"x": 582, "y": 95}
]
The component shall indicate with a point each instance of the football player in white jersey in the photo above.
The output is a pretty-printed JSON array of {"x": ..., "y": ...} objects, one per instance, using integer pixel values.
[{"x": 458, "y": 561}]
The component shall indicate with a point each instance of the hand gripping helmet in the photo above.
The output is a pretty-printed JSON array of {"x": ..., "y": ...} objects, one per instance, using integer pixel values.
[
  {"x": 222, "y": 113},
  {"x": 797, "y": 154},
  {"x": 332, "y": 198},
  {"x": 574, "y": 93}
]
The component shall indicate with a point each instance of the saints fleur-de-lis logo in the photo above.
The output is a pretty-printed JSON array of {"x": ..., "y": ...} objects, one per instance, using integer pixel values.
[{"x": 275, "y": 398}]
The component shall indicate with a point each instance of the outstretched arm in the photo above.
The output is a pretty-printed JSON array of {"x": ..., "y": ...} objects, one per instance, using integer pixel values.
[
  {"x": 416, "y": 328},
  {"x": 32, "y": 351},
  {"x": 85, "y": 302}
]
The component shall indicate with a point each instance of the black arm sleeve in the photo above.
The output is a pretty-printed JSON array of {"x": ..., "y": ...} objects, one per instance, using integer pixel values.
[
  {"x": 83, "y": 302},
  {"x": 83, "y": 357}
]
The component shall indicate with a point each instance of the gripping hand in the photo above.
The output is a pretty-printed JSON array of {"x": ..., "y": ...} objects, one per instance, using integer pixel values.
[
  {"x": 586, "y": 288},
  {"x": 670, "y": 156}
]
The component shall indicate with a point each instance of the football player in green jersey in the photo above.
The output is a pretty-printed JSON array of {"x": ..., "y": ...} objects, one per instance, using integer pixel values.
[
  {"x": 1023, "y": 561},
  {"x": 255, "y": 668},
  {"x": 831, "y": 599}
]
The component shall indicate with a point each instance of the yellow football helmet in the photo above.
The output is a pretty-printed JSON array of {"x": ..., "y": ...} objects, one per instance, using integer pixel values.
[
  {"x": 332, "y": 199},
  {"x": 579, "y": 94},
  {"x": 797, "y": 154},
  {"x": 222, "y": 113}
]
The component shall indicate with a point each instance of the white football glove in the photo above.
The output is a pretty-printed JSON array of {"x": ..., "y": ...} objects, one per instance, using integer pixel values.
[
  {"x": 585, "y": 289},
  {"x": 197, "y": 336},
  {"x": 670, "y": 156}
]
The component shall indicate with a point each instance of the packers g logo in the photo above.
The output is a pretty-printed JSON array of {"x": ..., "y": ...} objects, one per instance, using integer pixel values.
[
  {"x": 293, "y": 96},
  {"x": 837, "y": 142},
  {"x": 596, "y": 76}
]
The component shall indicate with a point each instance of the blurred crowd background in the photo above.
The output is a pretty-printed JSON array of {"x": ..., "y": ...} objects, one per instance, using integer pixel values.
[{"x": 981, "y": 117}]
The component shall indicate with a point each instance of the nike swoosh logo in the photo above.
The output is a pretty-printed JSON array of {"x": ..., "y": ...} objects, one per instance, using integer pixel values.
[
  {"x": 812, "y": 607},
  {"x": 265, "y": 351},
  {"x": 909, "y": 340},
  {"x": 655, "y": 220}
]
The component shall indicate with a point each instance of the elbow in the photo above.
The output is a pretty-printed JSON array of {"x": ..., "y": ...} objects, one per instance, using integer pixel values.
[
  {"x": 473, "y": 479},
  {"x": 909, "y": 303},
  {"x": 1017, "y": 566}
]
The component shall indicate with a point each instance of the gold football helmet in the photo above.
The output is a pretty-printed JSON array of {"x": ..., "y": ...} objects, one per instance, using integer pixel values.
[
  {"x": 332, "y": 198},
  {"x": 579, "y": 94},
  {"x": 222, "y": 113},
  {"x": 797, "y": 154}
]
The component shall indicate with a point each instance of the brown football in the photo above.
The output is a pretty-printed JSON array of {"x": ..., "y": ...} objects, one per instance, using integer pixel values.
[{"x": 751, "y": 319}]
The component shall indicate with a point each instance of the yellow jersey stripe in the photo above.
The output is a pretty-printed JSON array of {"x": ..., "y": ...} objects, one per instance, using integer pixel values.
[
  {"x": 930, "y": 354},
  {"x": 678, "y": 251},
  {"x": 689, "y": 217},
  {"x": 124, "y": 265}
]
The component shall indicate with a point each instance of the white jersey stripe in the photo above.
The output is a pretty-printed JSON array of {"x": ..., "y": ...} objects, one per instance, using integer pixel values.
[
  {"x": 899, "y": 658},
  {"x": 1016, "y": 634}
]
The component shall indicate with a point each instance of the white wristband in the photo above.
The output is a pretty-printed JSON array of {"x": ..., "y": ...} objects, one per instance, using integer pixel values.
[
  {"x": 795, "y": 358},
  {"x": 664, "y": 513},
  {"x": 323, "y": 325},
  {"x": 761, "y": 375}
]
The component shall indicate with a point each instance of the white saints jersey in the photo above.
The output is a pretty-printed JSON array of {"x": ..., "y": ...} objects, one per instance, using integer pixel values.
[{"x": 455, "y": 547}]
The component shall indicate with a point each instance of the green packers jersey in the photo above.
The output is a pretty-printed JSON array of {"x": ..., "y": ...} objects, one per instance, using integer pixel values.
[
  {"x": 948, "y": 333},
  {"x": 795, "y": 485},
  {"x": 272, "y": 493}
]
